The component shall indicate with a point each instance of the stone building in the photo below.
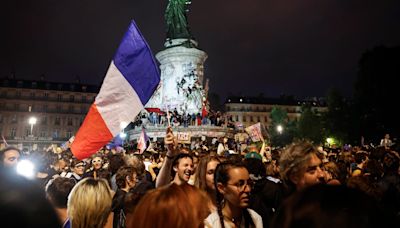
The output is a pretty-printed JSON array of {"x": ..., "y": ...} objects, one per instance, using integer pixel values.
[
  {"x": 251, "y": 110},
  {"x": 35, "y": 114}
]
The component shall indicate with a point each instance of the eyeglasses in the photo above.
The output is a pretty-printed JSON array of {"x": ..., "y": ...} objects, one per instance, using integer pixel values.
[
  {"x": 96, "y": 161},
  {"x": 241, "y": 185}
]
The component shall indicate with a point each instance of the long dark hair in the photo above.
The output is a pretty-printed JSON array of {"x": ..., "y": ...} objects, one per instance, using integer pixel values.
[
  {"x": 221, "y": 175},
  {"x": 201, "y": 171}
]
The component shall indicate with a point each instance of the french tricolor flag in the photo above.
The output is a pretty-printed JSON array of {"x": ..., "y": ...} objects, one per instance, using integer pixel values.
[
  {"x": 142, "y": 142},
  {"x": 130, "y": 81}
]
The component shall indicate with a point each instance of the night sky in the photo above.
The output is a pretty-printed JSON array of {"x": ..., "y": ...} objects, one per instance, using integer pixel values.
[{"x": 274, "y": 47}]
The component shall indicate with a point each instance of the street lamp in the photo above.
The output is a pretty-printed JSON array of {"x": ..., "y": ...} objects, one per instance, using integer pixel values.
[
  {"x": 123, "y": 125},
  {"x": 329, "y": 141},
  {"x": 122, "y": 135},
  {"x": 279, "y": 128},
  {"x": 32, "y": 121}
]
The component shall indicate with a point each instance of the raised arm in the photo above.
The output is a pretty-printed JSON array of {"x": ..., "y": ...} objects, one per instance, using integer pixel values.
[{"x": 164, "y": 176}]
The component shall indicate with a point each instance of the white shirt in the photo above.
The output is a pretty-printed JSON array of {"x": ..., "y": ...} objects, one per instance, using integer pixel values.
[
  {"x": 147, "y": 164},
  {"x": 221, "y": 149},
  {"x": 213, "y": 220},
  {"x": 386, "y": 142}
]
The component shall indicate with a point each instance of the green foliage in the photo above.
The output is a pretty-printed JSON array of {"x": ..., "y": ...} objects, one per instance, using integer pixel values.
[
  {"x": 376, "y": 93},
  {"x": 310, "y": 125},
  {"x": 280, "y": 117},
  {"x": 336, "y": 120}
]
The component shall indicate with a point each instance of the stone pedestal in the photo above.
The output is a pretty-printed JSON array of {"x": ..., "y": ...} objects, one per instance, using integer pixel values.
[{"x": 181, "y": 84}]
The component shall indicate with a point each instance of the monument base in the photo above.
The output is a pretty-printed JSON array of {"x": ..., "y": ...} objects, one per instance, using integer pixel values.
[
  {"x": 187, "y": 134},
  {"x": 181, "y": 84}
]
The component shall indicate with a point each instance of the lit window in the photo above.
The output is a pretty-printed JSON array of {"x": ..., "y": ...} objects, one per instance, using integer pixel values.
[{"x": 13, "y": 132}]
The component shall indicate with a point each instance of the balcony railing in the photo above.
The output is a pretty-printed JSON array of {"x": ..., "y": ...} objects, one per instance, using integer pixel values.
[{"x": 34, "y": 138}]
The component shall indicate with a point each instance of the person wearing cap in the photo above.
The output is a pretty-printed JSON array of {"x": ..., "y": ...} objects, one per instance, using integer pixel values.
[
  {"x": 253, "y": 155},
  {"x": 253, "y": 152}
]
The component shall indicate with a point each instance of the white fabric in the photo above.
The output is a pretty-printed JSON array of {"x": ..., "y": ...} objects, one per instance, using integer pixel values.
[
  {"x": 213, "y": 220},
  {"x": 221, "y": 149},
  {"x": 147, "y": 164},
  {"x": 117, "y": 91}
]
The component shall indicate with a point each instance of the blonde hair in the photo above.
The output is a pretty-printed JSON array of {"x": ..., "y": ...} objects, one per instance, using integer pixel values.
[{"x": 89, "y": 203}]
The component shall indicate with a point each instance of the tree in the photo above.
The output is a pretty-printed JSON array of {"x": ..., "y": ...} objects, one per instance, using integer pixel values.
[
  {"x": 376, "y": 93},
  {"x": 279, "y": 117},
  {"x": 310, "y": 125},
  {"x": 336, "y": 121}
]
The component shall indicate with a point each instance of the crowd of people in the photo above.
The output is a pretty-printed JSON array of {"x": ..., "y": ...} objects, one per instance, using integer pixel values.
[
  {"x": 173, "y": 118},
  {"x": 299, "y": 185}
]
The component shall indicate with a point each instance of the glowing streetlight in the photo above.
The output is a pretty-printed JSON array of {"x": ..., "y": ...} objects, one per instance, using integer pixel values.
[
  {"x": 123, "y": 125},
  {"x": 32, "y": 121},
  {"x": 279, "y": 128},
  {"x": 122, "y": 135},
  {"x": 26, "y": 168},
  {"x": 330, "y": 141}
]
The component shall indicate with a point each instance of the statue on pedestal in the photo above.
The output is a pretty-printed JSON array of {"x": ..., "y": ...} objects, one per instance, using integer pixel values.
[{"x": 176, "y": 19}]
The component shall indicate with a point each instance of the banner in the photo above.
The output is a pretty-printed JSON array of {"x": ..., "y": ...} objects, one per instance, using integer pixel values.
[
  {"x": 183, "y": 137},
  {"x": 254, "y": 132}
]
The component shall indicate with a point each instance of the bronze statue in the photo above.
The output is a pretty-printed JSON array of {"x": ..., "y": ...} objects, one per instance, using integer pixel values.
[{"x": 176, "y": 19}]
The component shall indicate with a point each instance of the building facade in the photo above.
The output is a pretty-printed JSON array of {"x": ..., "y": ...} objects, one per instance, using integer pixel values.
[
  {"x": 248, "y": 110},
  {"x": 35, "y": 114}
]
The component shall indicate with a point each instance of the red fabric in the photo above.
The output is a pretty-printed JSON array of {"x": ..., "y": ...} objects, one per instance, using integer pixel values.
[
  {"x": 92, "y": 135},
  {"x": 157, "y": 110},
  {"x": 204, "y": 111}
]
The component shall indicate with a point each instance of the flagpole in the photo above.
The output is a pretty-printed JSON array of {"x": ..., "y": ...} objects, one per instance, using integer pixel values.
[
  {"x": 168, "y": 117},
  {"x": 4, "y": 140}
]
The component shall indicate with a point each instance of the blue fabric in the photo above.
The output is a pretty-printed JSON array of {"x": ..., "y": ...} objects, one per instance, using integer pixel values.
[
  {"x": 136, "y": 63},
  {"x": 67, "y": 224}
]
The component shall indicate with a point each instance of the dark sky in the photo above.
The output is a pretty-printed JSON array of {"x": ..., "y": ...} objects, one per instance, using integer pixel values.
[{"x": 274, "y": 47}]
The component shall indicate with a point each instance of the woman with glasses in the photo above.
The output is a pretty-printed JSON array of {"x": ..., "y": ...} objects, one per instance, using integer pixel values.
[
  {"x": 233, "y": 186},
  {"x": 96, "y": 168},
  {"x": 77, "y": 168}
]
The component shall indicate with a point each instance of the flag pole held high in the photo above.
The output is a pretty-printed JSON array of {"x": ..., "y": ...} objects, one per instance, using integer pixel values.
[{"x": 131, "y": 80}]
